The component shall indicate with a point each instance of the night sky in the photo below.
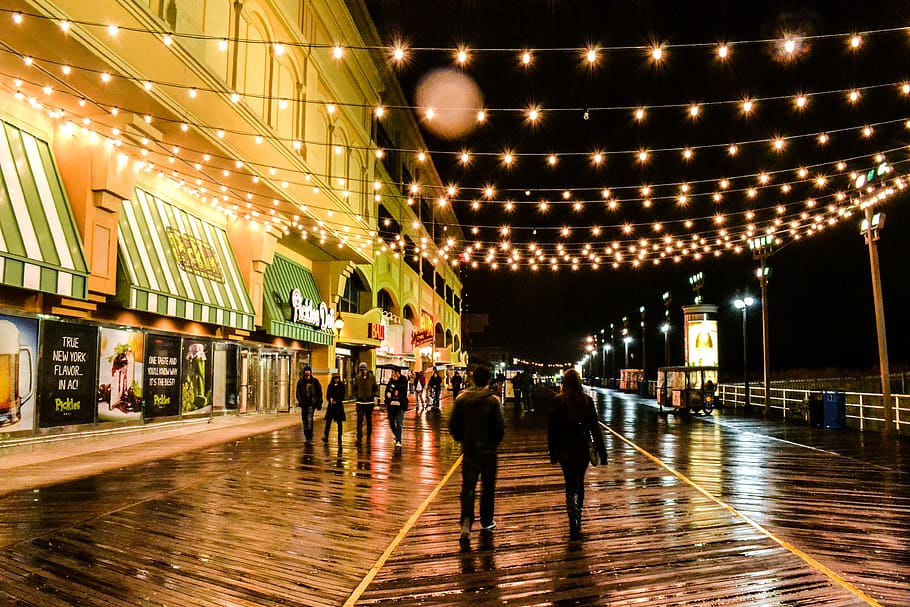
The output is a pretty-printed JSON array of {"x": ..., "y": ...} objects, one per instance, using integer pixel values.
[{"x": 820, "y": 299}]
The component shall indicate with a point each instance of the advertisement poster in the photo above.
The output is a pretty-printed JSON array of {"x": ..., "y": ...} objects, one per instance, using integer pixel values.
[
  {"x": 67, "y": 388},
  {"x": 18, "y": 373},
  {"x": 162, "y": 375},
  {"x": 196, "y": 388},
  {"x": 702, "y": 342},
  {"x": 120, "y": 365}
]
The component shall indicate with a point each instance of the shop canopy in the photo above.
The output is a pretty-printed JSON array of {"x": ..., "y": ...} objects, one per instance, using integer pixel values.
[
  {"x": 179, "y": 265},
  {"x": 281, "y": 278},
  {"x": 40, "y": 248}
]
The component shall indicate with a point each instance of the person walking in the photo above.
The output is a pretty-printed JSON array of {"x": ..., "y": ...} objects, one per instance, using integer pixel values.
[
  {"x": 572, "y": 426},
  {"x": 477, "y": 424},
  {"x": 309, "y": 398},
  {"x": 334, "y": 410},
  {"x": 435, "y": 385},
  {"x": 366, "y": 391},
  {"x": 396, "y": 401},
  {"x": 456, "y": 385},
  {"x": 419, "y": 401}
]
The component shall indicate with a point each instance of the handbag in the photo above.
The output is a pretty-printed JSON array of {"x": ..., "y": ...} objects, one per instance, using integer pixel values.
[{"x": 593, "y": 455}]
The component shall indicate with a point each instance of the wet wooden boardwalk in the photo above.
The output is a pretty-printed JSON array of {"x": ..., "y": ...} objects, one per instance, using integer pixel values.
[{"x": 689, "y": 511}]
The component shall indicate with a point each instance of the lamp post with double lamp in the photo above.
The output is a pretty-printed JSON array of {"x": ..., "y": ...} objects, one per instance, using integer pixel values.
[
  {"x": 666, "y": 331},
  {"x": 591, "y": 352},
  {"x": 743, "y": 304}
]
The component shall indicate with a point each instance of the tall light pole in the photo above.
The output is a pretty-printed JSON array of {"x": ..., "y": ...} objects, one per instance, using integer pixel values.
[
  {"x": 603, "y": 355},
  {"x": 626, "y": 340},
  {"x": 612, "y": 351},
  {"x": 644, "y": 360},
  {"x": 743, "y": 304},
  {"x": 666, "y": 331},
  {"x": 762, "y": 247},
  {"x": 871, "y": 226}
]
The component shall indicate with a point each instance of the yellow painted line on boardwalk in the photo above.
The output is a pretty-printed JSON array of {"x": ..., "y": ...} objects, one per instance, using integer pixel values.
[
  {"x": 837, "y": 579},
  {"x": 374, "y": 570}
]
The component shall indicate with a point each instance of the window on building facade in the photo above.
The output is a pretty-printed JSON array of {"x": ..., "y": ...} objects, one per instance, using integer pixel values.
[{"x": 353, "y": 294}]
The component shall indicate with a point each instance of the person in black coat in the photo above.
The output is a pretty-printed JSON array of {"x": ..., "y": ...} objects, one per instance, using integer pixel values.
[
  {"x": 456, "y": 385},
  {"x": 309, "y": 397},
  {"x": 396, "y": 401},
  {"x": 573, "y": 424},
  {"x": 334, "y": 411},
  {"x": 477, "y": 424}
]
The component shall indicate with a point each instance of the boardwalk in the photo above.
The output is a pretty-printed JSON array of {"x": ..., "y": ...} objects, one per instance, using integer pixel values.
[{"x": 689, "y": 511}]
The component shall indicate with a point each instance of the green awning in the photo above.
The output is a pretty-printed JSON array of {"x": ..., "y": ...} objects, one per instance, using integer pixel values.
[
  {"x": 281, "y": 278},
  {"x": 179, "y": 265},
  {"x": 40, "y": 247}
]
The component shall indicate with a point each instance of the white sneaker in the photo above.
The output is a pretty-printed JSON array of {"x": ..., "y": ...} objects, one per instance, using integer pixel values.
[
  {"x": 490, "y": 526},
  {"x": 398, "y": 443}
]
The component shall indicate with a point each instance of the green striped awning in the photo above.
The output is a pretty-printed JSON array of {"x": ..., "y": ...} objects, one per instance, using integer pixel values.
[
  {"x": 176, "y": 264},
  {"x": 40, "y": 247},
  {"x": 282, "y": 277}
]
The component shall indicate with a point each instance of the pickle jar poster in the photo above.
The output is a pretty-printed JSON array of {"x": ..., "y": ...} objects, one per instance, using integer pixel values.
[
  {"x": 69, "y": 355},
  {"x": 162, "y": 376}
]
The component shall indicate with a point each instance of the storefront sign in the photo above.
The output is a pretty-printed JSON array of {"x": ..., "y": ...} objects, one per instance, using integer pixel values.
[
  {"x": 162, "y": 373},
  {"x": 376, "y": 331},
  {"x": 69, "y": 355},
  {"x": 426, "y": 332},
  {"x": 307, "y": 312},
  {"x": 120, "y": 368},
  {"x": 194, "y": 255}
]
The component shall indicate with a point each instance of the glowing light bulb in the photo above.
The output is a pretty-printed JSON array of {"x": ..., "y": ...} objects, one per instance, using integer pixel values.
[
  {"x": 643, "y": 156},
  {"x": 279, "y": 49},
  {"x": 380, "y": 112},
  {"x": 591, "y": 55},
  {"x": 640, "y": 114},
  {"x": 657, "y": 53},
  {"x": 338, "y": 52},
  {"x": 222, "y": 44},
  {"x": 526, "y": 58},
  {"x": 398, "y": 54},
  {"x": 462, "y": 56},
  {"x": 65, "y": 26},
  {"x": 551, "y": 159},
  {"x": 694, "y": 110},
  {"x": 481, "y": 116},
  {"x": 801, "y": 101},
  {"x": 853, "y": 96},
  {"x": 855, "y": 41},
  {"x": 17, "y": 18},
  {"x": 533, "y": 114},
  {"x": 723, "y": 51},
  {"x": 113, "y": 30},
  {"x": 748, "y": 105}
]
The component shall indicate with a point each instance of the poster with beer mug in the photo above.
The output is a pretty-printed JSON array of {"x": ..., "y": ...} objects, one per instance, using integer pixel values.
[
  {"x": 18, "y": 373},
  {"x": 120, "y": 367}
]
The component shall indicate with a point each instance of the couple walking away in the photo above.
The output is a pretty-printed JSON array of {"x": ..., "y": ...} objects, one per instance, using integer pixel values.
[{"x": 477, "y": 423}]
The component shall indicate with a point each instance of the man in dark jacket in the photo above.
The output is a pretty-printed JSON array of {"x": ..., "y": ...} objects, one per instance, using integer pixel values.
[
  {"x": 366, "y": 390},
  {"x": 456, "y": 385},
  {"x": 396, "y": 401},
  {"x": 435, "y": 384},
  {"x": 309, "y": 397},
  {"x": 477, "y": 424}
]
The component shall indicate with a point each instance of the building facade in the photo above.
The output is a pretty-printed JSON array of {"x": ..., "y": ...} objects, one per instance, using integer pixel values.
[{"x": 194, "y": 205}]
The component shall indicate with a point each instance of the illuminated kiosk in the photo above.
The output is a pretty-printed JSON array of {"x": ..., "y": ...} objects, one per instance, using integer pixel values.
[{"x": 692, "y": 386}]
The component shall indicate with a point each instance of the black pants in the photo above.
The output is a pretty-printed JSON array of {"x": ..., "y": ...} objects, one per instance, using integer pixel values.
[
  {"x": 485, "y": 469},
  {"x": 574, "y": 475},
  {"x": 364, "y": 414},
  {"x": 328, "y": 424}
]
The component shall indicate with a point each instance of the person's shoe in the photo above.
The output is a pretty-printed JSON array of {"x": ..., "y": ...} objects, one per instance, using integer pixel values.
[
  {"x": 325, "y": 439},
  {"x": 398, "y": 444},
  {"x": 465, "y": 537},
  {"x": 489, "y": 527}
]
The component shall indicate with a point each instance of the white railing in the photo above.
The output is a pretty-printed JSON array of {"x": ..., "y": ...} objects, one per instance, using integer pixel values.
[{"x": 864, "y": 409}]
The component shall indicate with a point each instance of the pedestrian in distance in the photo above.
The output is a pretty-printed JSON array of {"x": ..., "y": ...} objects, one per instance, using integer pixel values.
[
  {"x": 478, "y": 425},
  {"x": 334, "y": 410},
  {"x": 419, "y": 400},
  {"x": 396, "y": 401},
  {"x": 572, "y": 426},
  {"x": 366, "y": 391},
  {"x": 435, "y": 384},
  {"x": 456, "y": 385},
  {"x": 309, "y": 398}
]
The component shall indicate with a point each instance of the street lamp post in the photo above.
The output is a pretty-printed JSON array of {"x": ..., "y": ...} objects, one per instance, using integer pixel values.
[
  {"x": 603, "y": 355},
  {"x": 743, "y": 304},
  {"x": 626, "y": 340},
  {"x": 666, "y": 330},
  {"x": 644, "y": 341}
]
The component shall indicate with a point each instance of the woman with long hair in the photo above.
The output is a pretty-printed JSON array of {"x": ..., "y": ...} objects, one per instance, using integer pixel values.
[{"x": 572, "y": 425}]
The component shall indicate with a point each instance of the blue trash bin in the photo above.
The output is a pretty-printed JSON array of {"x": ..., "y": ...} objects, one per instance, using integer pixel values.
[{"x": 834, "y": 409}]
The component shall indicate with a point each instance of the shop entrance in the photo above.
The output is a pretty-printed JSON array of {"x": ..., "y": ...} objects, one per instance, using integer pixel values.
[{"x": 265, "y": 376}]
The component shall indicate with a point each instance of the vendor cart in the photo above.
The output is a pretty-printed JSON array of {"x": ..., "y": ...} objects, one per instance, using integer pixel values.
[{"x": 686, "y": 389}]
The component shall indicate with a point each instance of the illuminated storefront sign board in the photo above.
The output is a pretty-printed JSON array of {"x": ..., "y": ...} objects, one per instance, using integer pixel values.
[
  {"x": 305, "y": 311},
  {"x": 194, "y": 255},
  {"x": 426, "y": 331},
  {"x": 702, "y": 343},
  {"x": 376, "y": 331}
]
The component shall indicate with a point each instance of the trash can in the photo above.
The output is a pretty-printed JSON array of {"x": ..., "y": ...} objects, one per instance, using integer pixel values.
[
  {"x": 834, "y": 405},
  {"x": 816, "y": 409}
]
